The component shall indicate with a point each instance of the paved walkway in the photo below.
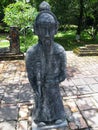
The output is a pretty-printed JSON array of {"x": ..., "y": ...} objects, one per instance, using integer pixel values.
[{"x": 80, "y": 94}]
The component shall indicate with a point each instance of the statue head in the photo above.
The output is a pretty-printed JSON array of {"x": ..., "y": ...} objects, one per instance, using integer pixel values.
[
  {"x": 46, "y": 24},
  {"x": 44, "y": 6}
]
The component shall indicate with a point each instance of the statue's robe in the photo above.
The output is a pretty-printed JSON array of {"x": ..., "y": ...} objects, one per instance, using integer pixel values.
[{"x": 51, "y": 66}]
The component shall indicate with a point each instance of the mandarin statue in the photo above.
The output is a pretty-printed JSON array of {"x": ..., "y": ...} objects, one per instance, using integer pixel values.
[{"x": 46, "y": 68}]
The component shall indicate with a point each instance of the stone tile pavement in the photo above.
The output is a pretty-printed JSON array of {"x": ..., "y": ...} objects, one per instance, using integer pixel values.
[{"x": 79, "y": 92}]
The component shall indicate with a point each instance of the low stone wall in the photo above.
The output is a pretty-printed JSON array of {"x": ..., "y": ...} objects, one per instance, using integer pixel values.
[{"x": 87, "y": 50}]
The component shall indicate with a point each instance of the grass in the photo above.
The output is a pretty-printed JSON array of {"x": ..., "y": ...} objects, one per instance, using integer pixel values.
[
  {"x": 66, "y": 39},
  {"x": 3, "y": 41}
]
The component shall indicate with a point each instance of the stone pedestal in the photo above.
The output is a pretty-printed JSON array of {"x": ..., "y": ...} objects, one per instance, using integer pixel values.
[
  {"x": 12, "y": 52},
  {"x": 14, "y": 40},
  {"x": 62, "y": 126}
]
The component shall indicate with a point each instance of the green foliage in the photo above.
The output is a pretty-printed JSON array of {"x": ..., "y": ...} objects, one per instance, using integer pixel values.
[
  {"x": 4, "y": 43},
  {"x": 67, "y": 11},
  {"x": 3, "y": 4},
  {"x": 59, "y": 8},
  {"x": 19, "y": 14},
  {"x": 29, "y": 41},
  {"x": 22, "y": 15},
  {"x": 66, "y": 39}
]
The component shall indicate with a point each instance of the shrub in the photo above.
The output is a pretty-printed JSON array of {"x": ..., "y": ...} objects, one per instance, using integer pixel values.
[{"x": 19, "y": 14}]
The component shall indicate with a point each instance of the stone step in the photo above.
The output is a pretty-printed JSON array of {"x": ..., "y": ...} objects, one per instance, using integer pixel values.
[
  {"x": 87, "y": 54},
  {"x": 87, "y": 50},
  {"x": 11, "y": 56},
  {"x": 91, "y": 51},
  {"x": 4, "y": 50},
  {"x": 92, "y": 46},
  {"x": 83, "y": 48}
]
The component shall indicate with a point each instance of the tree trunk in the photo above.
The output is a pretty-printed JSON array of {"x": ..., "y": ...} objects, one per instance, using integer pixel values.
[
  {"x": 95, "y": 33},
  {"x": 80, "y": 21}
]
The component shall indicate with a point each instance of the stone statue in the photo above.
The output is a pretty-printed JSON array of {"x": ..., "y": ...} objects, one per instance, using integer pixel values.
[{"x": 46, "y": 68}]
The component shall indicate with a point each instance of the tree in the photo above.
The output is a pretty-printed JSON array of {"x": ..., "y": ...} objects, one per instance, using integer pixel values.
[
  {"x": 67, "y": 11},
  {"x": 19, "y": 14},
  {"x": 59, "y": 7},
  {"x": 80, "y": 19},
  {"x": 22, "y": 15},
  {"x": 91, "y": 17},
  {"x": 86, "y": 16},
  {"x": 3, "y": 4}
]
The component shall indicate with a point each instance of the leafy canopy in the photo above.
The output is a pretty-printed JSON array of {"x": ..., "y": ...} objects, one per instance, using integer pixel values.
[{"x": 19, "y": 14}]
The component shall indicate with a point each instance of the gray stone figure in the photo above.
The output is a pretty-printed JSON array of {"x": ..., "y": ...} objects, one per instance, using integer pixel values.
[{"x": 46, "y": 68}]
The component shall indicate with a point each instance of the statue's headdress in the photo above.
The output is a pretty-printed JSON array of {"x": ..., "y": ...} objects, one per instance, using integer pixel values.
[{"x": 45, "y": 14}]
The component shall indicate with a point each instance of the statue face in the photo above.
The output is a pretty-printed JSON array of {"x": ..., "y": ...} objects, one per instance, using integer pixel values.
[
  {"x": 46, "y": 28},
  {"x": 46, "y": 32}
]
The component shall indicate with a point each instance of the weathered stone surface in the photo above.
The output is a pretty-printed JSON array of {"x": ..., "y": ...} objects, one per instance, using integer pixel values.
[
  {"x": 1, "y": 66},
  {"x": 62, "y": 126},
  {"x": 90, "y": 80},
  {"x": 67, "y": 83},
  {"x": 84, "y": 89},
  {"x": 1, "y": 90},
  {"x": 23, "y": 112},
  {"x": 87, "y": 50},
  {"x": 78, "y": 81},
  {"x": 68, "y": 112},
  {"x": 86, "y": 67},
  {"x": 75, "y": 91},
  {"x": 46, "y": 68},
  {"x": 73, "y": 126},
  {"x": 71, "y": 103},
  {"x": 96, "y": 98},
  {"x": 1, "y": 96},
  {"x": 91, "y": 117},
  {"x": 79, "y": 121},
  {"x": 14, "y": 40},
  {"x": 67, "y": 91},
  {"x": 11, "y": 125},
  {"x": 96, "y": 78},
  {"x": 11, "y": 56},
  {"x": 10, "y": 98},
  {"x": 12, "y": 87},
  {"x": 26, "y": 93},
  {"x": 94, "y": 87},
  {"x": 8, "y": 113},
  {"x": 85, "y": 103},
  {"x": 22, "y": 125}
]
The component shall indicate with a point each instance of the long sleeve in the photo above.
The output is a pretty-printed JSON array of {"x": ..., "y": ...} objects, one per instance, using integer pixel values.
[
  {"x": 62, "y": 66},
  {"x": 30, "y": 70}
]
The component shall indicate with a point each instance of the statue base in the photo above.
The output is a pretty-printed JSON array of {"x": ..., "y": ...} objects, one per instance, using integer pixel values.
[
  {"x": 61, "y": 126},
  {"x": 5, "y": 54}
]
